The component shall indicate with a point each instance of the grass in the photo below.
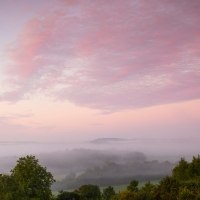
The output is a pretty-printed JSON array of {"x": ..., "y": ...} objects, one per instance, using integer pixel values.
[
  {"x": 60, "y": 177},
  {"x": 117, "y": 188}
]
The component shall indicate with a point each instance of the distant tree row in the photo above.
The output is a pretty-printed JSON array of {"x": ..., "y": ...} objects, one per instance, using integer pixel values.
[
  {"x": 76, "y": 160},
  {"x": 116, "y": 174}
]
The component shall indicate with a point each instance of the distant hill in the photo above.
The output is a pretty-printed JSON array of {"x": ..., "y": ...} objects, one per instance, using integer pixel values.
[{"x": 108, "y": 140}]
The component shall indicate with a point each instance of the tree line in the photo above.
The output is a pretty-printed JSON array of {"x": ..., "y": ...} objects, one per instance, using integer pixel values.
[{"x": 30, "y": 181}]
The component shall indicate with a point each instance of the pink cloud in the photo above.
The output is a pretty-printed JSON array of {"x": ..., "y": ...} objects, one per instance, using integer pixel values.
[
  {"x": 25, "y": 50},
  {"x": 109, "y": 56}
]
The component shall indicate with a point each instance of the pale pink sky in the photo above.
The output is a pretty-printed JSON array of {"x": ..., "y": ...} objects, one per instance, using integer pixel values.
[{"x": 80, "y": 70}]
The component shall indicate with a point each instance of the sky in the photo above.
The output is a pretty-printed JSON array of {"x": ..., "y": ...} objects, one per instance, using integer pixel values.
[{"x": 79, "y": 70}]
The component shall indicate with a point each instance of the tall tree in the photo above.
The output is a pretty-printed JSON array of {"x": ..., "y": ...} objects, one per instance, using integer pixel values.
[{"x": 32, "y": 178}]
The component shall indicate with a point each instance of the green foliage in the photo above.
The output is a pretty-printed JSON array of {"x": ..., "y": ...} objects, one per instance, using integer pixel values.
[
  {"x": 64, "y": 195},
  {"x": 108, "y": 193},
  {"x": 148, "y": 187},
  {"x": 168, "y": 188},
  {"x": 194, "y": 168},
  {"x": 197, "y": 196},
  {"x": 89, "y": 192},
  {"x": 127, "y": 194},
  {"x": 133, "y": 186},
  {"x": 9, "y": 189},
  {"x": 186, "y": 171},
  {"x": 180, "y": 172},
  {"x": 133, "y": 193},
  {"x": 32, "y": 179},
  {"x": 193, "y": 184},
  {"x": 185, "y": 194},
  {"x": 184, "y": 184},
  {"x": 146, "y": 192}
]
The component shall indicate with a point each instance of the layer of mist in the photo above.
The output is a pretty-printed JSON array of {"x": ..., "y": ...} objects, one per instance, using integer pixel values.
[{"x": 102, "y": 161}]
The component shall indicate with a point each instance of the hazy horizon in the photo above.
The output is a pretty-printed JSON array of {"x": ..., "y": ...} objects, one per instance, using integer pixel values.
[{"x": 162, "y": 149}]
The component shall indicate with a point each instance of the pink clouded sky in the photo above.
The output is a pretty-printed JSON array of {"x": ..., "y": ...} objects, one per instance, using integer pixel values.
[{"x": 80, "y": 70}]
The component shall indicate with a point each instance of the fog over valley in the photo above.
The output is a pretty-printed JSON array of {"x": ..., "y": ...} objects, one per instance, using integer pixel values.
[
  {"x": 103, "y": 161},
  {"x": 71, "y": 152}
]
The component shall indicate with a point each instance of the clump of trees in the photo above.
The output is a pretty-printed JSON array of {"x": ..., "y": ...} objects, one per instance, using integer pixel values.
[
  {"x": 87, "y": 192},
  {"x": 28, "y": 180},
  {"x": 183, "y": 184}
]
